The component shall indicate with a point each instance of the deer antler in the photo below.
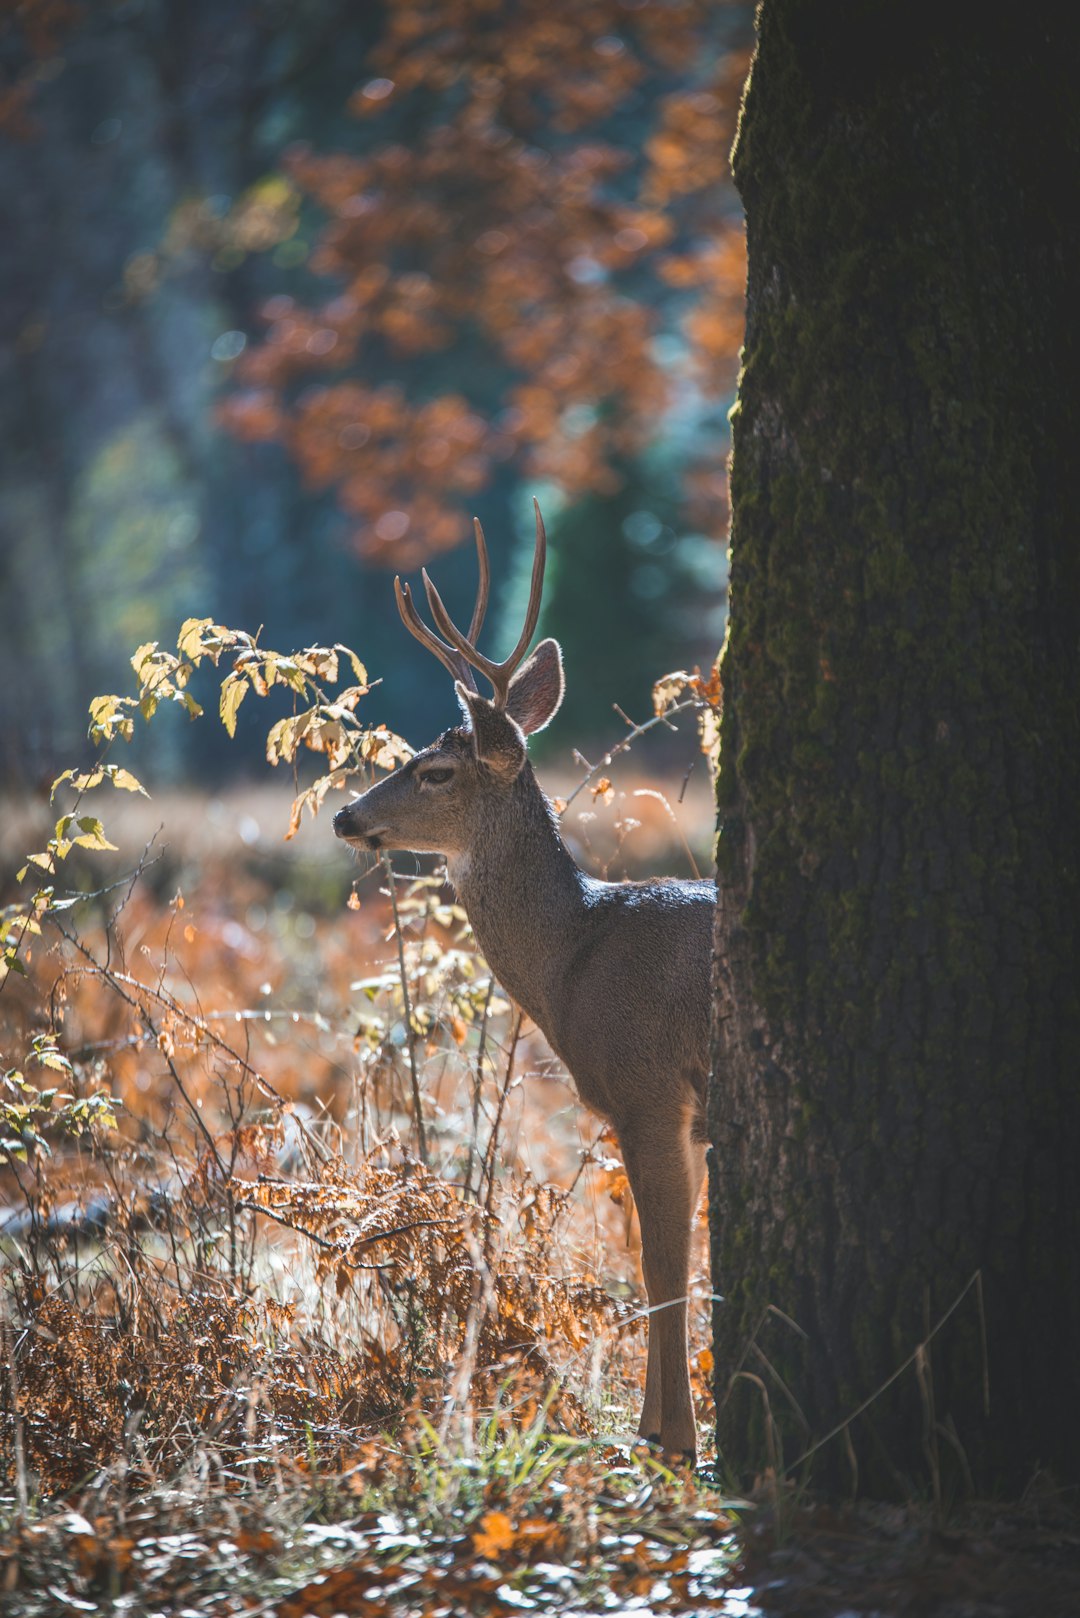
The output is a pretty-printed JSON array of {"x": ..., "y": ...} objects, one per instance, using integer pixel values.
[
  {"x": 500, "y": 674},
  {"x": 451, "y": 659}
]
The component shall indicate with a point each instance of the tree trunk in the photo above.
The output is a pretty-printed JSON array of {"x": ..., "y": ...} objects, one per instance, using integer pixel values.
[{"x": 895, "y": 1116}]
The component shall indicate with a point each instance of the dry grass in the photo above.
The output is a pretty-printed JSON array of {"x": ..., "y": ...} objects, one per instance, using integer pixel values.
[{"x": 251, "y": 1300}]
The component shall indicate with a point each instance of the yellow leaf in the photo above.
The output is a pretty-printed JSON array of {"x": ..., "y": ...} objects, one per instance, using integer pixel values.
[
  {"x": 190, "y": 639},
  {"x": 138, "y": 658},
  {"x": 281, "y": 741},
  {"x": 83, "y": 783},
  {"x": 107, "y": 719},
  {"x": 233, "y": 691},
  {"x": 358, "y": 668},
  {"x": 45, "y": 861},
  {"x": 92, "y": 834},
  {"x": 125, "y": 781}
]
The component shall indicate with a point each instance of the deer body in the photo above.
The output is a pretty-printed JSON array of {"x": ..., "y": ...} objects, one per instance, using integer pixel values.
[{"x": 615, "y": 974}]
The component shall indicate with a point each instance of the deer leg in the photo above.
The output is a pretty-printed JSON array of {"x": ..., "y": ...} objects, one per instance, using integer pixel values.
[{"x": 665, "y": 1170}]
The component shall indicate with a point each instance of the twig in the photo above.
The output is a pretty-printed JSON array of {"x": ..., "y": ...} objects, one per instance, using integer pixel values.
[
  {"x": 47, "y": 911},
  {"x": 650, "y": 792},
  {"x": 622, "y": 747},
  {"x": 312, "y": 1235},
  {"x": 493, "y": 1138},
  {"x": 917, "y": 1353},
  {"x": 478, "y": 1080},
  {"x": 410, "y": 1036},
  {"x": 117, "y": 981}
]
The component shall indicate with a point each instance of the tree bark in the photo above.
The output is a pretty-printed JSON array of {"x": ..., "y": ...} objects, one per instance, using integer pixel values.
[{"x": 895, "y": 1112}]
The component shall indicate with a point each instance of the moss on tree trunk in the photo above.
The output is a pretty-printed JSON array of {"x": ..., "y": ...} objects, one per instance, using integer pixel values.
[{"x": 896, "y": 1102}]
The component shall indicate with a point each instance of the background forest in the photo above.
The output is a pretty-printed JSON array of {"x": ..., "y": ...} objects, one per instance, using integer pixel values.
[{"x": 292, "y": 291}]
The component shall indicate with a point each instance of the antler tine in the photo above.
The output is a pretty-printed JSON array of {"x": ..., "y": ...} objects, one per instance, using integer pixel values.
[
  {"x": 435, "y": 601},
  {"x": 536, "y": 589},
  {"x": 448, "y": 657},
  {"x": 482, "y": 589},
  {"x": 500, "y": 674},
  {"x": 463, "y": 646}
]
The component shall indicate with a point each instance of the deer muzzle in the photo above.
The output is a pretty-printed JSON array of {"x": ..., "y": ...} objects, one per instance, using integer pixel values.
[{"x": 349, "y": 825}]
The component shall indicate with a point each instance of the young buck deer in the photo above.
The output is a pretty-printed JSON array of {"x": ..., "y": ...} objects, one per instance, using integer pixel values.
[{"x": 616, "y": 974}]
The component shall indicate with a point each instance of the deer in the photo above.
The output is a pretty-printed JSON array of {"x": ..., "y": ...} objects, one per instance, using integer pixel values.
[{"x": 616, "y": 975}]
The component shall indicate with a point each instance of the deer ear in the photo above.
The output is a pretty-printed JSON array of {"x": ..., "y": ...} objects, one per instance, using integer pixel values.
[
  {"x": 537, "y": 688},
  {"x": 497, "y": 739}
]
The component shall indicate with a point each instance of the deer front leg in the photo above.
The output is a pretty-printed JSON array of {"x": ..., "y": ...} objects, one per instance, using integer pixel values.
[{"x": 665, "y": 1169}]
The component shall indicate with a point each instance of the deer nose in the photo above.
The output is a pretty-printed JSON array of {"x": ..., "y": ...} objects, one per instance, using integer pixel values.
[{"x": 340, "y": 821}]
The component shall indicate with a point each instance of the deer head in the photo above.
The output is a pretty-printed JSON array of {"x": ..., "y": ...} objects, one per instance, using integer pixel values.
[{"x": 435, "y": 803}]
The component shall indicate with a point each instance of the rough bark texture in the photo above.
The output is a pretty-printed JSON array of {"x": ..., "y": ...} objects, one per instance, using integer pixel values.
[{"x": 896, "y": 1106}]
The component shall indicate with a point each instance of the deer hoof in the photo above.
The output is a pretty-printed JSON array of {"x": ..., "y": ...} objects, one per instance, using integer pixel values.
[{"x": 675, "y": 1458}]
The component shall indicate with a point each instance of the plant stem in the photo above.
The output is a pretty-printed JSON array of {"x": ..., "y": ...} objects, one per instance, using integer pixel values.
[
  {"x": 410, "y": 1035},
  {"x": 478, "y": 1082},
  {"x": 489, "y": 1156}
]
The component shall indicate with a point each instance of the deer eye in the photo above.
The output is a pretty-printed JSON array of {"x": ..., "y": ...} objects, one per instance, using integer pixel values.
[{"x": 436, "y": 778}]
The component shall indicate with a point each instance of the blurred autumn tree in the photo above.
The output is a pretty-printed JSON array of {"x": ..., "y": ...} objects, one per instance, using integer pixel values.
[
  {"x": 509, "y": 255},
  {"x": 544, "y": 179},
  {"x": 535, "y": 260}
]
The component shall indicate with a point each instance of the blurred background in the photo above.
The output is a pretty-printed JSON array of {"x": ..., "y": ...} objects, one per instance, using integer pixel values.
[{"x": 292, "y": 288}]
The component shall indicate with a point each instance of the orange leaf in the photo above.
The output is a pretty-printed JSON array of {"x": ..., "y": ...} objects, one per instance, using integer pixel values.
[{"x": 496, "y": 1533}]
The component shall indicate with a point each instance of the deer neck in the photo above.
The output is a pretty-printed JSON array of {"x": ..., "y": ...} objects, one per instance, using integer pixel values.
[{"x": 523, "y": 894}]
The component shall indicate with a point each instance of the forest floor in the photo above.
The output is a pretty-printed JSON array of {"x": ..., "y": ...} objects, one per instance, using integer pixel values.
[
  {"x": 256, "y": 1357},
  {"x": 610, "y": 1536}
]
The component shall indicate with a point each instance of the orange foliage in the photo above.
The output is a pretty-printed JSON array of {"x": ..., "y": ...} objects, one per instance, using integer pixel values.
[{"x": 513, "y": 230}]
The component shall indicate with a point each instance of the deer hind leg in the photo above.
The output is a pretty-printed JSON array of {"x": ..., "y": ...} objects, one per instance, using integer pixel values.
[{"x": 665, "y": 1167}]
